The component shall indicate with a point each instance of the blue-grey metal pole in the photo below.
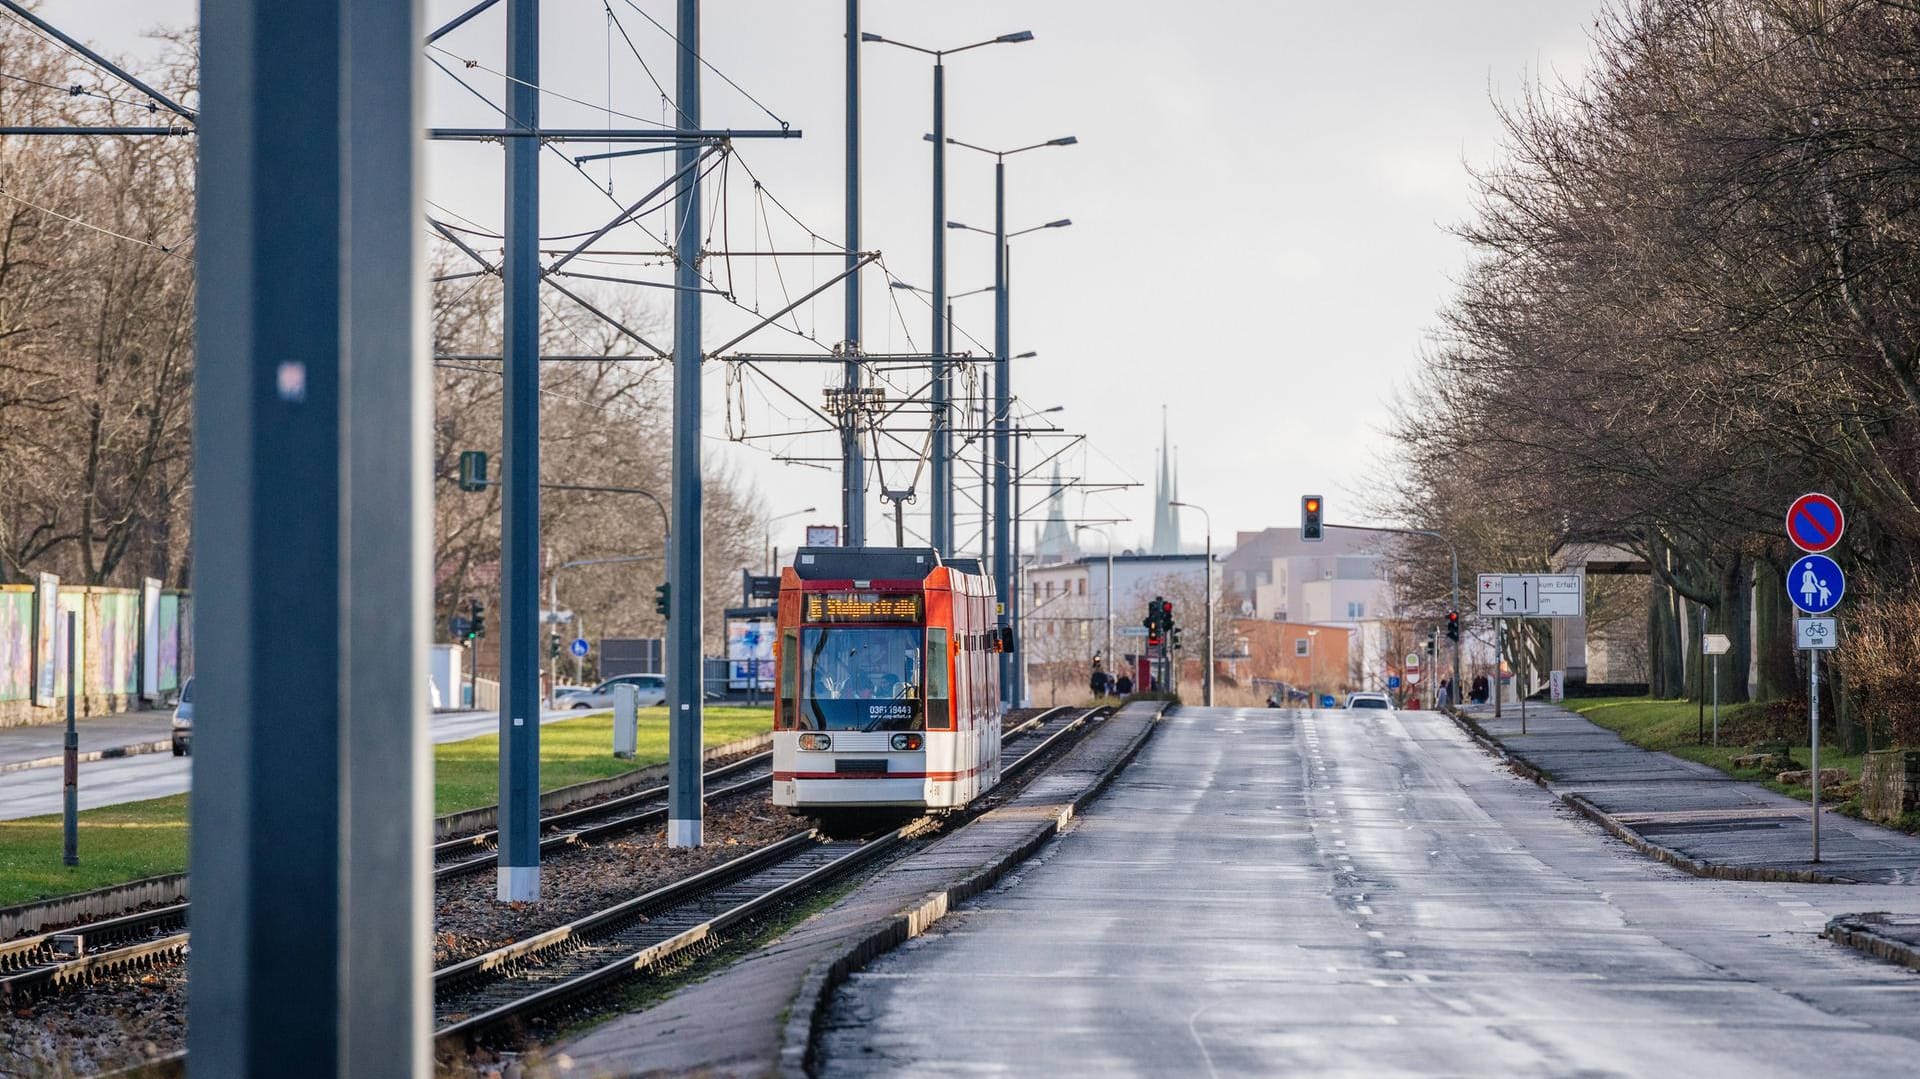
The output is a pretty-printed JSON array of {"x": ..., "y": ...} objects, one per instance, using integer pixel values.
[
  {"x": 70, "y": 817},
  {"x": 387, "y": 1005},
  {"x": 853, "y": 465},
  {"x": 1002, "y": 440},
  {"x": 684, "y": 682},
  {"x": 519, "y": 868},
  {"x": 266, "y": 974},
  {"x": 941, "y": 530}
]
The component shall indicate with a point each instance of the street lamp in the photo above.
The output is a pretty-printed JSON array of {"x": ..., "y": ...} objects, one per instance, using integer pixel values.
[
  {"x": 767, "y": 533},
  {"x": 942, "y": 479},
  {"x": 1206, "y": 682},
  {"x": 1107, "y": 588}
]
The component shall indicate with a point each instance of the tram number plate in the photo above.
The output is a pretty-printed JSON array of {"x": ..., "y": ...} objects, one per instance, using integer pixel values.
[{"x": 859, "y": 765}]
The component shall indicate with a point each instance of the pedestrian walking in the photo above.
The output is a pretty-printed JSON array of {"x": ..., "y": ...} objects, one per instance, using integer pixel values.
[
  {"x": 1098, "y": 682},
  {"x": 1123, "y": 686}
]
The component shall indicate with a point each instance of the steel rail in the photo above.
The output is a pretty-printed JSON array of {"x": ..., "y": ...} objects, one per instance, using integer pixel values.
[{"x": 674, "y": 919}]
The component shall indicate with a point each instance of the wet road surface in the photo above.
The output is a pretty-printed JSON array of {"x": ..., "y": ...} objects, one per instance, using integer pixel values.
[{"x": 1287, "y": 892}]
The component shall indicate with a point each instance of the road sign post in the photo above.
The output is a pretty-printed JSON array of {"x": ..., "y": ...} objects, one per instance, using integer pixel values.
[
  {"x": 1815, "y": 524},
  {"x": 1716, "y": 645}
]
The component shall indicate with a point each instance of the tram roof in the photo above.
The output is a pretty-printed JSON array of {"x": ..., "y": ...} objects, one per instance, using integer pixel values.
[{"x": 864, "y": 563}]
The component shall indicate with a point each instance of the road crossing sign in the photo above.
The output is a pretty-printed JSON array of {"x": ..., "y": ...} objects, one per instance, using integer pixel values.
[
  {"x": 1816, "y": 583},
  {"x": 578, "y": 647},
  {"x": 1821, "y": 633},
  {"x": 1815, "y": 523}
]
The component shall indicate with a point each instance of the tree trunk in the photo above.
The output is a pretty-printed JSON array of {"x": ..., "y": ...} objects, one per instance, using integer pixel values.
[
  {"x": 1779, "y": 676},
  {"x": 1733, "y": 617}
]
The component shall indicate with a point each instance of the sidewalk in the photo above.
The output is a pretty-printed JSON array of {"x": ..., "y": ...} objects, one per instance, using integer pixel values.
[
  {"x": 1687, "y": 814},
  {"x": 129, "y": 734},
  {"x": 122, "y": 734}
]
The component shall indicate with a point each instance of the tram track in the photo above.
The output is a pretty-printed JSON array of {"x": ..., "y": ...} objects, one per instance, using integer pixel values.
[
  {"x": 62, "y": 960},
  {"x": 509, "y": 988}
]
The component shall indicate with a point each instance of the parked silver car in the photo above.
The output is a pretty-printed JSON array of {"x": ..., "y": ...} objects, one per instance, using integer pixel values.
[
  {"x": 183, "y": 721},
  {"x": 652, "y": 687}
]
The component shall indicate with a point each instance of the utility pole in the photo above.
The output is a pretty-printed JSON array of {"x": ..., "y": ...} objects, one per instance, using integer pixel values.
[
  {"x": 1003, "y": 524},
  {"x": 518, "y": 874},
  {"x": 853, "y": 466},
  {"x": 312, "y": 883},
  {"x": 684, "y": 682},
  {"x": 941, "y": 531}
]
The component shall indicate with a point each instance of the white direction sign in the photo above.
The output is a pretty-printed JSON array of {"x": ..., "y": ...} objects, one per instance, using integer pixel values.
[
  {"x": 1131, "y": 631},
  {"x": 1534, "y": 595},
  {"x": 1820, "y": 633},
  {"x": 1716, "y": 644},
  {"x": 1489, "y": 602}
]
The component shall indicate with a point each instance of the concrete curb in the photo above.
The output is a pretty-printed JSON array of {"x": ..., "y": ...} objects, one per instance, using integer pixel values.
[
  {"x": 807, "y": 1013},
  {"x": 100, "y": 903},
  {"x": 1857, "y": 931},
  {"x": 111, "y": 752},
  {"x": 1627, "y": 835}
]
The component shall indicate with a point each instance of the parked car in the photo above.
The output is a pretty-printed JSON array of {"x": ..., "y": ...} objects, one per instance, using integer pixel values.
[
  {"x": 1356, "y": 701},
  {"x": 183, "y": 721},
  {"x": 652, "y": 687}
]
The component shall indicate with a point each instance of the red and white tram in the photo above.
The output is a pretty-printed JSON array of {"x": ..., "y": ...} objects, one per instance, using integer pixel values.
[{"x": 889, "y": 687}]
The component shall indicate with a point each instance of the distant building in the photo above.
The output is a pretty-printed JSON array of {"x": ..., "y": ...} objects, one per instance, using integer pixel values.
[
  {"x": 1340, "y": 581},
  {"x": 1053, "y": 541},
  {"x": 1063, "y": 620},
  {"x": 1166, "y": 491},
  {"x": 1294, "y": 655}
]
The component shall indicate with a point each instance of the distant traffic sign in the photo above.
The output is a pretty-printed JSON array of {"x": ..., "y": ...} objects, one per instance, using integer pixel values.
[
  {"x": 1716, "y": 644},
  {"x": 578, "y": 647},
  {"x": 1820, "y": 633},
  {"x": 1532, "y": 595},
  {"x": 1413, "y": 678},
  {"x": 1816, "y": 583},
  {"x": 1131, "y": 631},
  {"x": 1815, "y": 523},
  {"x": 1393, "y": 681}
]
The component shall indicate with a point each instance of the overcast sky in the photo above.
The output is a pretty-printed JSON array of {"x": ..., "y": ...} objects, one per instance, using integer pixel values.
[{"x": 1259, "y": 200}]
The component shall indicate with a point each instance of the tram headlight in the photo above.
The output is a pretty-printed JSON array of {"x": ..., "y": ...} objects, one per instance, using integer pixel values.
[
  {"x": 816, "y": 742},
  {"x": 906, "y": 741}
]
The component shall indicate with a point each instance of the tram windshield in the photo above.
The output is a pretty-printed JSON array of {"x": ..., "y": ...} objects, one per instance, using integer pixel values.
[{"x": 861, "y": 678}]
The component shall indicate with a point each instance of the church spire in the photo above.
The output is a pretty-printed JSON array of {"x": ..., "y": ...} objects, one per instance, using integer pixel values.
[{"x": 1166, "y": 523}]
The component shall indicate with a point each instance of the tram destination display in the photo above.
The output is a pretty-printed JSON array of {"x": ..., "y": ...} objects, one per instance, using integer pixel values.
[{"x": 864, "y": 607}]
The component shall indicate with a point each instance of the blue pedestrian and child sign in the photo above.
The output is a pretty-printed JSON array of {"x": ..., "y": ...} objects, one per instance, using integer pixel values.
[
  {"x": 1816, "y": 583},
  {"x": 578, "y": 647}
]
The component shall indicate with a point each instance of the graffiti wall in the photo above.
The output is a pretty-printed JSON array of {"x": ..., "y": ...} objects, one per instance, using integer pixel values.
[
  {"x": 110, "y": 650},
  {"x": 16, "y": 643}
]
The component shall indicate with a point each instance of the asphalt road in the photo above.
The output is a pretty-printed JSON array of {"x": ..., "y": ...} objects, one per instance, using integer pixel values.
[
  {"x": 31, "y": 792},
  {"x": 1269, "y": 892}
]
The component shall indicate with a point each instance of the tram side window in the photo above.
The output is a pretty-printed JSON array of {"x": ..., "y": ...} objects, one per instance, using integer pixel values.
[
  {"x": 939, "y": 711},
  {"x": 789, "y": 678}
]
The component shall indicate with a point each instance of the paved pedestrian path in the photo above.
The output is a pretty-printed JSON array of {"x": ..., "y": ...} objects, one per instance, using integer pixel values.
[
  {"x": 1684, "y": 812},
  {"x": 121, "y": 734}
]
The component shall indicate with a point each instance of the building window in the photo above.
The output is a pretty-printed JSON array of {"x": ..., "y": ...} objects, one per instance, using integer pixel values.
[
  {"x": 1356, "y": 610},
  {"x": 1036, "y": 590},
  {"x": 1083, "y": 586},
  {"x": 1299, "y": 646},
  {"x": 1049, "y": 589}
]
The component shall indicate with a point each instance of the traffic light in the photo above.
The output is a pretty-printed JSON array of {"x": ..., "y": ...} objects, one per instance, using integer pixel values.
[
  {"x": 473, "y": 470},
  {"x": 1453, "y": 626},
  {"x": 1176, "y": 638},
  {"x": 1312, "y": 510},
  {"x": 1166, "y": 613},
  {"x": 662, "y": 600},
  {"x": 1430, "y": 638},
  {"x": 553, "y": 646},
  {"x": 477, "y": 626}
]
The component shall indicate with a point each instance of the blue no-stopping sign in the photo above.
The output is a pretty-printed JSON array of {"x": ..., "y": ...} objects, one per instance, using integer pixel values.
[
  {"x": 578, "y": 647},
  {"x": 1815, "y": 523},
  {"x": 1816, "y": 583}
]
